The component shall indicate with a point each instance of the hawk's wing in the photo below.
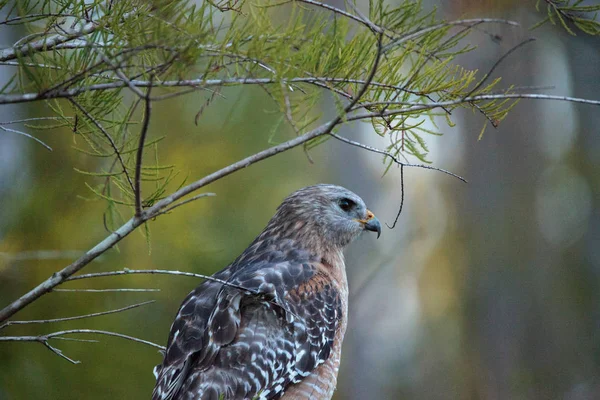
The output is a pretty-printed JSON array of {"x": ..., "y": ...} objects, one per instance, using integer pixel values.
[{"x": 244, "y": 344}]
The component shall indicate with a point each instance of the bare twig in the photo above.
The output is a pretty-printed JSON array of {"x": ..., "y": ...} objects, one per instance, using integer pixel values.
[
  {"x": 180, "y": 273},
  {"x": 158, "y": 272},
  {"x": 429, "y": 106},
  {"x": 56, "y": 335},
  {"x": 5, "y": 129},
  {"x": 58, "y": 352},
  {"x": 140, "y": 153},
  {"x": 370, "y": 25},
  {"x": 44, "y": 339},
  {"x": 394, "y": 159},
  {"x": 107, "y": 290},
  {"x": 496, "y": 64},
  {"x": 196, "y": 197},
  {"x": 48, "y": 321},
  {"x": 469, "y": 23},
  {"x": 401, "y": 198}
]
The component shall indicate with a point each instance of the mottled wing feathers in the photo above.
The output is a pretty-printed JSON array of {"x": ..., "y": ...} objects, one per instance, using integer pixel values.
[
  {"x": 235, "y": 344},
  {"x": 186, "y": 339},
  {"x": 317, "y": 307}
]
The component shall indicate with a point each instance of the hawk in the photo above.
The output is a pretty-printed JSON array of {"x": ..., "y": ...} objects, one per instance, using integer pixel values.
[{"x": 270, "y": 325}]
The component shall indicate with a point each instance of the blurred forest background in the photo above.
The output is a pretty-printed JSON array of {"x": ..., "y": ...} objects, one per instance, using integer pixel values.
[{"x": 486, "y": 290}]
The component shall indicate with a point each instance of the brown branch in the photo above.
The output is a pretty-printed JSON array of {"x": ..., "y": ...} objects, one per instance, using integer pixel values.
[
  {"x": 401, "y": 198},
  {"x": 140, "y": 153}
]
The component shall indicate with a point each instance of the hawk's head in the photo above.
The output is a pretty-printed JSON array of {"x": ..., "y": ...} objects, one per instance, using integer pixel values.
[{"x": 331, "y": 213}]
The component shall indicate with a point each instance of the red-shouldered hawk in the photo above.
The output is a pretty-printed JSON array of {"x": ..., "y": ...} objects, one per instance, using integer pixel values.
[{"x": 276, "y": 329}]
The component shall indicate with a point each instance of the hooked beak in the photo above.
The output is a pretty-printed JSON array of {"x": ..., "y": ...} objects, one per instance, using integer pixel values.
[{"x": 371, "y": 223}]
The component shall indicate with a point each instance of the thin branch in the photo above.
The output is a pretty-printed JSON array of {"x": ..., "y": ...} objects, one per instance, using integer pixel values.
[
  {"x": 107, "y": 290},
  {"x": 401, "y": 198},
  {"x": 174, "y": 206},
  {"x": 469, "y": 23},
  {"x": 201, "y": 84},
  {"x": 370, "y": 25},
  {"x": 44, "y": 339},
  {"x": 67, "y": 339},
  {"x": 394, "y": 159},
  {"x": 158, "y": 272},
  {"x": 5, "y": 129},
  {"x": 180, "y": 273},
  {"x": 48, "y": 321},
  {"x": 140, "y": 153},
  {"x": 60, "y": 276},
  {"x": 497, "y": 63},
  {"x": 429, "y": 106},
  {"x": 58, "y": 352},
  {"x": 56, "y": 335}
]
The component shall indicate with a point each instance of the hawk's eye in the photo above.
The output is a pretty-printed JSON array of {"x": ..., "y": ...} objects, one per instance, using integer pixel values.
[{"x": 346, "y": 204}]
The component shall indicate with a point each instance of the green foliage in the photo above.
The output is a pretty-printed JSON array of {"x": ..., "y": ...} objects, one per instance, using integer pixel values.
[
  {"x": 106, "y": 60},
  {"x": 571, "y": 13}
]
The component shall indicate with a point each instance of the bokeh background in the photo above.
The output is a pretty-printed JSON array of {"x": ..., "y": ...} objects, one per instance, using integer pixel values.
[{"x": 486, "y": 290}]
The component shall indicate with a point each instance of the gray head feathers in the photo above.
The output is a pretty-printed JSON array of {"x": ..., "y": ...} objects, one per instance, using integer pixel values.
[{"x": 331, "y": 214}]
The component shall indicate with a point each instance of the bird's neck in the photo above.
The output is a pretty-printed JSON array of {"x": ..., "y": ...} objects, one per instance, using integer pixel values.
[
  {"x": 303, "y": 236},
  {"x": 306, "y": 242}
]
